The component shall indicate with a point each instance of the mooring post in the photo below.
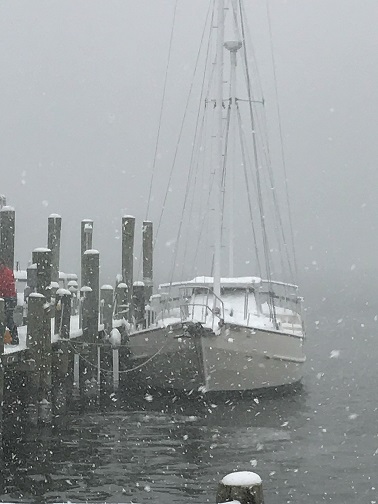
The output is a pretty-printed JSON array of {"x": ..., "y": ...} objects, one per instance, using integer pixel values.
[
  {"x": 90, "y": 337},
  {"x": 106, "y": 304},
  {"x": 244, "y": 487},
  {"x": 39, "y": 344},
  {"x": 148, "y": 258},
  {"x": 73, "y": 287},
  {"x": 7, "y": 232},
  {"x": 53, "y": 243},
  {"x": 62, "y": 313},
  {"x": 42, "y": 258},
  {"x": 31, "y": 277},
  {"x": 91, "y": 279},
  {"x": 139, "y": 304},
  {"x": 62, "y": 354},
  {"x": 86, "y": 241},
  {"x": 122, "y": 298},
  {"x": 2, "y": 329},
  {"x": 106, "y": 350},
  {"x": 128, "y": 233},
  {"x": 91, "y": 273}
]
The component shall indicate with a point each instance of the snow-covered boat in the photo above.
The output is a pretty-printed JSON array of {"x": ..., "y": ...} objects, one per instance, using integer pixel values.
[{"x": 216, "y": 333}]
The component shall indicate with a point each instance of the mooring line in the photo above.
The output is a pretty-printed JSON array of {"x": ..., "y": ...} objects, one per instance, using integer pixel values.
[{"x": 125, "y": 371}]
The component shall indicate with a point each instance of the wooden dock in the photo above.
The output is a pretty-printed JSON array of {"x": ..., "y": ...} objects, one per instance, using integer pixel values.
[{"x": 73, "y": 336}]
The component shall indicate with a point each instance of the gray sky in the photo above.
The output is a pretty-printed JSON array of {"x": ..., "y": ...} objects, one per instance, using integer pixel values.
[{"x": 81, "y": 90}]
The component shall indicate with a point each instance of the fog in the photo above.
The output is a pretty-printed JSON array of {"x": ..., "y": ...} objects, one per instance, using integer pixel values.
[{"x": 81, "y": 92}]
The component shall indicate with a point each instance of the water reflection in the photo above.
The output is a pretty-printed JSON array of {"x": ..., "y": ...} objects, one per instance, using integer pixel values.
[{"x": 147, "y": 447}]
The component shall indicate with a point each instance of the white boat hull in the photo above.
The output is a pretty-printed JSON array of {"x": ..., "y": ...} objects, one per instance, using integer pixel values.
[{"x": 239, "y": 358}]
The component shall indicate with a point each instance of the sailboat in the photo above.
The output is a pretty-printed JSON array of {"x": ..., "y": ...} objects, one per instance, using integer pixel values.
[{"x": 221, "y": 333}]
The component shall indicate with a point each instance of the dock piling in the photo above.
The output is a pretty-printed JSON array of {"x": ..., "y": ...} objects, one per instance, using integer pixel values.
[
  {"x": 86, "y": 241},
  {"x": 42, "y": 258},
  {"x": 39, "y": 344},
  {"x": 7, "y": 232},
  {"x": 62, "y": 321},
  {"x": 53, "y": 243},
  {"x": 106, "y": 303},
  {"x": 128, "y": 233},
  {"x": 244, "y": 487},
  {"x": 147, "y": 235},
  {"x": 122, "y": 306},
  {"x": 2, "y": 329}
]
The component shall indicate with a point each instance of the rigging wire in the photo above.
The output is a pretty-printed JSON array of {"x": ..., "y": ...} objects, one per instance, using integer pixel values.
[
  {"x": 198, "y": 138},
  {"x": 265, "y": 145},
  {"x": 244, "y": 161},
  {"x": 181, "y": 129},
  {"x": 161, "y": 109},
  {"x": 280, "y": 228},
  {"x": 190, "y": 171},
  {"x": 281, "y": 140},
  {"x": 257, "y": 167}
]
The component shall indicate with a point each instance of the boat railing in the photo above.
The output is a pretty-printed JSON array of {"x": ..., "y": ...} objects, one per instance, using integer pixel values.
[
  {"x": 188, "y": 313},
  {"x": 201, "y": 311}
]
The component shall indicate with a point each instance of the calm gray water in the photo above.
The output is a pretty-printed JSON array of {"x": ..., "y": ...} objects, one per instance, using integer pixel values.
[{"x": 317, "y": 445}]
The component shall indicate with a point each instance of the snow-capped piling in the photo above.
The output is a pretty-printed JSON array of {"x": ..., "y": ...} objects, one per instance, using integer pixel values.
[
  {"x": 128, "y": 232},
  {"x": 39, "y": 344},
  {"x": 2, "y": 329},
  {"x": 31, "y": 277},
  {"x": 91, "y": 273},
  {"x": 62, "y": 354},
  {"x": 122, "y": 305},
  {"x": 88, "y": 354},
  {"x": 139, "y": 304},
  {"x": 106, "y": 349},
  {"x": 62, "y": 313},
  {"x": 86, "y": 241},
  {"x": 106, "y": 307},
  {"x": 147, "y": 235},
  {"x": 243, "y": 486},
  {"x": 53, "y": 243},
  {"x": 42, "y": 258},
  {"x": 7, "y": 231}
]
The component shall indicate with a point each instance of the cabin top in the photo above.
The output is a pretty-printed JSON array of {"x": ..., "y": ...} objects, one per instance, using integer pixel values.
[{"x": 235, "y": 282}]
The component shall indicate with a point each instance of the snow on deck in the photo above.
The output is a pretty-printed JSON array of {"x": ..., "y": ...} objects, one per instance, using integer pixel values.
[{"x": 74, "y": 333}]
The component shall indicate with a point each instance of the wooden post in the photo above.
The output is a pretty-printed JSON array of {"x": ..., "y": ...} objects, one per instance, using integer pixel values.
[
  {"x": 39, "y": 344},
  {"x": 244, "y": 487},
  {"x": 122, "y": 298},
  {"x": 91, "y": 273},
  {"x": 90, "y": 277},
  {"x": 42, "y": 258},
  {"x": 73, "y": 287},
  {"x": 63, "y": 313},
  {"x": 31, "y": 277},
  {"x": 128, "y": 232},
  {"x": 139, "y": 304},
  {"x": 106, "y": 303},
  {"x": 86, "y": 241},
  {"x": 106, "y": 350},
  {"x": 2, "y": 328},
  {"x": 148, "y": 258},
  {"x": 53, "y": 243},
  {"x": 90, "y": 336},
  {"x": 7, "y": 231},
  {"x": 60, "y": 367},
  {"x": 63, "y": 354}
]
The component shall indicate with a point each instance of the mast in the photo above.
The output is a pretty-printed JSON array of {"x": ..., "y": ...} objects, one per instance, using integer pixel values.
[
  {"x": 219, "y": 159},
  {"x": 232, "y": 47}
]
